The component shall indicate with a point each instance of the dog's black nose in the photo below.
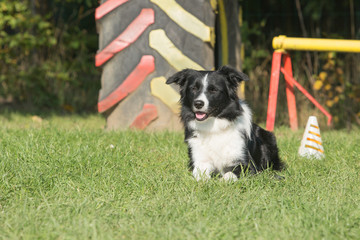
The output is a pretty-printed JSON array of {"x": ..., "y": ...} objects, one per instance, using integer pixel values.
[{"x": 198, "y": 104}]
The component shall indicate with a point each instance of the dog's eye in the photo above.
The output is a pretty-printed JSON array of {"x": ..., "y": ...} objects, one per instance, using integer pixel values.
[
  {"x": 212, "y": 89},
  {"x": 194, "y": 88}
]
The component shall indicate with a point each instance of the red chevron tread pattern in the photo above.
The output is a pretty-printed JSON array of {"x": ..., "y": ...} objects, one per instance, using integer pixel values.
[
  {"x": 127, "y": 37},
  {"x": 107, "y": 7},
  {"x": 146, "y": 116},
  {"x": 130, "y": 84}
]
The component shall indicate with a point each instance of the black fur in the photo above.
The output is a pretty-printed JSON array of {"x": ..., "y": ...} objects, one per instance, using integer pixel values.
[
  {"x": 223, "y": 103},
  {"x": 263, "y": 149}
]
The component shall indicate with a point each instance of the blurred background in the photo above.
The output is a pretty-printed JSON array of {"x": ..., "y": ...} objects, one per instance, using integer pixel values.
[{"x": 47, "y": 52}]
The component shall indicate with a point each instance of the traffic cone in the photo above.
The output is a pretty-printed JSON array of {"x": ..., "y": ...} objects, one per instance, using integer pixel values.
[{"x": 311, "y": 144}]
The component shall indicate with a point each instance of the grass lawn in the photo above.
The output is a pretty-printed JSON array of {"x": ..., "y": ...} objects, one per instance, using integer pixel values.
[{"x": 67, "y": 178}]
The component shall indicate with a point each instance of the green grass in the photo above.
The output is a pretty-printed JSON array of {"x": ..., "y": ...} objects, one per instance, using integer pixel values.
[{"x": 67, "y": 178}]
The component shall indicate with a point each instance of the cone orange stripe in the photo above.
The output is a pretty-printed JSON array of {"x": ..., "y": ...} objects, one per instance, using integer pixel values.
[
  {"x": 314, "y": 126},
  {"x": 319, "y": 150},
  {"x": 313, "y": 140},
  {"x": 314, "y": 133}
]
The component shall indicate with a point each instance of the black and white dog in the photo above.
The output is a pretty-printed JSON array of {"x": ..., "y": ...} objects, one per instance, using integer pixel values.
[{"x": 221, "y": 137}]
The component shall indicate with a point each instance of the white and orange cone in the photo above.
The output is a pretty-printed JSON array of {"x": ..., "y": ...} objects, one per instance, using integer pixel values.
[{"x": 311, "y": 144}]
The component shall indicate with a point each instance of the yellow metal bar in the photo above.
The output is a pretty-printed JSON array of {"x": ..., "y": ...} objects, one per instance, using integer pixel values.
[
  {"x": 315, "y": 44},
  {"x": 224, "y": 34}
]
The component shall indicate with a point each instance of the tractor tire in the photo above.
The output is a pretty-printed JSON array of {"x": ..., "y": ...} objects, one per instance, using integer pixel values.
[{"x": 141, "y": 44}]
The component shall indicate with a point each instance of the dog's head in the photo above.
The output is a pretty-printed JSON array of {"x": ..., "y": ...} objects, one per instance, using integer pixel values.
[{"x": 208, "y": 93}]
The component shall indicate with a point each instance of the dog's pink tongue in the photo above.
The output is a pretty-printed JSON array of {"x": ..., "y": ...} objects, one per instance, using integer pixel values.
[{"x": 200, "y": 115}]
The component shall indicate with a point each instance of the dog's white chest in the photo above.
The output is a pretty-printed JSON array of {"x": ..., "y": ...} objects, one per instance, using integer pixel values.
[{"x": 218, "y": 150}]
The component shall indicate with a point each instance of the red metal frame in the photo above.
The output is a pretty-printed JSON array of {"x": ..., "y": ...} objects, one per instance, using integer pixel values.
[
  {"x": 278, "y": 57},
  {"x": 290, "y": 96},
  {"x": 273, "y": 91}
]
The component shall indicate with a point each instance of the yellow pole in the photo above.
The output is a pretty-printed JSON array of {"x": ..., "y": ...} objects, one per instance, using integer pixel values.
[{"x": 315, "y": 44}]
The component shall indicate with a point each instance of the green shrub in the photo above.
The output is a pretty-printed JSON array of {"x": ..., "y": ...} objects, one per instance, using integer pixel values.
[{"x": 47, "y": 56}]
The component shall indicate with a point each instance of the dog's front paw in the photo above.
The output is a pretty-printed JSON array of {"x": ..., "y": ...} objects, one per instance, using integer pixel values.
[{"x": 230, "y": 177}]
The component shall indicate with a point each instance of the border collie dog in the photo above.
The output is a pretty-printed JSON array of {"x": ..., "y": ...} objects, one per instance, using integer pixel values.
[{"x": 221, "y": 137}]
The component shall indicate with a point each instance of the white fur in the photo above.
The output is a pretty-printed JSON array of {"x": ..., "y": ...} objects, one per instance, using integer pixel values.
[
  {"x": 202, "y": 96},
  {"x": 218, "y": 143}
]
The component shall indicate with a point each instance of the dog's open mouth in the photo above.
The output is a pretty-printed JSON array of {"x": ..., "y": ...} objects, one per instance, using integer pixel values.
[{"x": 201, "y": 116}]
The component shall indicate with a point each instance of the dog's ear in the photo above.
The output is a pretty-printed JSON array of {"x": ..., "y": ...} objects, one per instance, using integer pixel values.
[
  {"x": 233, "y": 76},
  {"x": 181, "y": 77}
]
